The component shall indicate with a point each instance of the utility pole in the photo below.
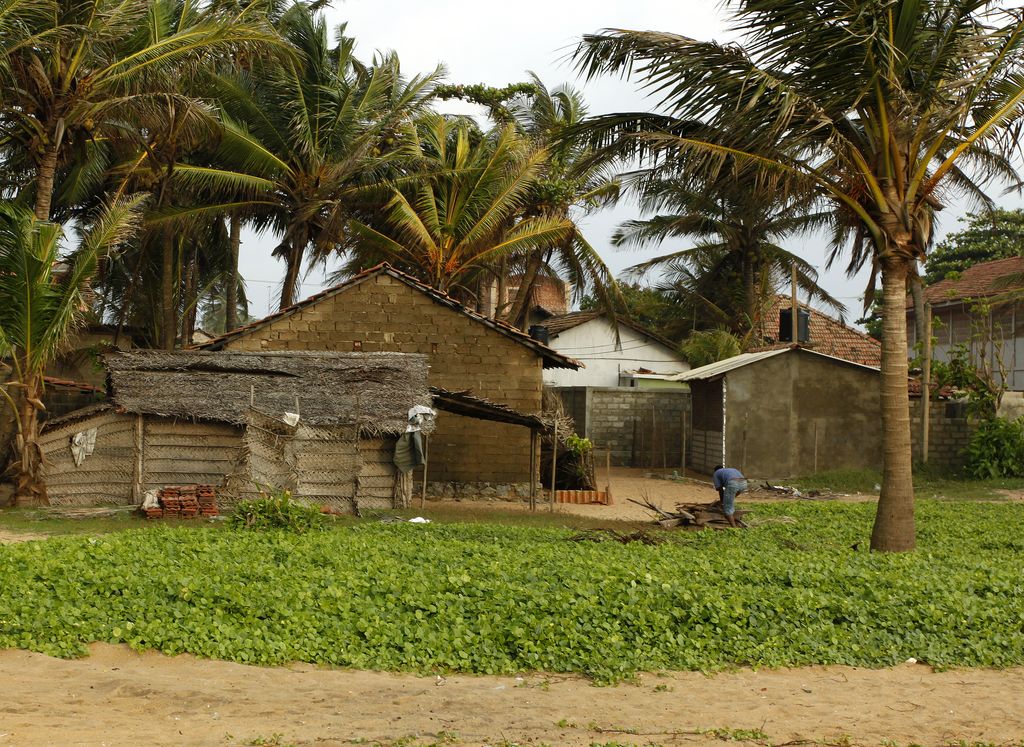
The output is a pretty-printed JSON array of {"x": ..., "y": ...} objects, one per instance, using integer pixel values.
[{"x": 794, "y": 315}]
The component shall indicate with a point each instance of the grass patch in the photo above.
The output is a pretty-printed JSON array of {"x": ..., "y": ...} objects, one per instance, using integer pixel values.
[
  {"x": 499, "y": 599},
  {"x": 42, "y": 521},
  {"x": 928, "y": 483}
]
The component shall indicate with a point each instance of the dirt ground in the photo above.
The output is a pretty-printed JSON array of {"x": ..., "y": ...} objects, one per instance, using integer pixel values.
[
  {"x": 118, "y": 697},
  {"x": 639, "y": 484}
]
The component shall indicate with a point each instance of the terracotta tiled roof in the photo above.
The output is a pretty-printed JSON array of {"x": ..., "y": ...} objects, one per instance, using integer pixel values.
[
  {"x": 827, "y": 335},
  {"x": 558, "y": 324},
  {"x": 977, "y": 281},
  {"x": 914, "y": 389},
  {"x": 551, "y": 357},
  {"x": 69, "y": 384}
]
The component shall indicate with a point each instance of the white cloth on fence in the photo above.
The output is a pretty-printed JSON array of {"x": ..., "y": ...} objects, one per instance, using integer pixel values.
[{"x": 83, "y": 444}]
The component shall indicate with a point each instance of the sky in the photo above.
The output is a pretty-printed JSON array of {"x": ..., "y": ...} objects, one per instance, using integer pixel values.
[{"x": 496, "y": 44}]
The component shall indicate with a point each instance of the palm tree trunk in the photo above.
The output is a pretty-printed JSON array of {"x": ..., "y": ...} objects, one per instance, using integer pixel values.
[
  {"x": 516, "y": 315},
  {"x": 168, "y": 313},
  {"x": 44, "y": 182},
  {"x": 291, "y": 275},
  {"x": 190, "y": 303},
  {"x": 30, "y": 489},
  {"x": 231, "y": 292},
  {"x": 501, "y": 300},
  {"x": 748, "y": 290},
  {"x": 894, "y": 520}
]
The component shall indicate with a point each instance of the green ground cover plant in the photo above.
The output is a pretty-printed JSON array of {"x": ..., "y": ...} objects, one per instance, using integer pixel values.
[
  {"x": 498, "y": 599},
  {"x": 929, "y": 482}
]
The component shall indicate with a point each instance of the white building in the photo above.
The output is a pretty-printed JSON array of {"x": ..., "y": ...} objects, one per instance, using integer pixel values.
[{"x": 636, "y": 357}]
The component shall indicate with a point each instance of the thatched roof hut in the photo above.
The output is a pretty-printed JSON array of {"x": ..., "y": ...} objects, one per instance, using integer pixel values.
[
  {"x": 218, "y": 418},
  {"x": 373, "y": 391}
]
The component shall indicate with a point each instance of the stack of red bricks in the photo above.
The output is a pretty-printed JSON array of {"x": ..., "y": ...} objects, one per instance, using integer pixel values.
[
  {"x": 207, "y": 497},
  {"x": 185, "y": 501}
]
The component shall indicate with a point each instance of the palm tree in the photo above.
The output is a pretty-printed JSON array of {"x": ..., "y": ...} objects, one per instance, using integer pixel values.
[
  {"x": 39, "y": 308},
  {"x": 461, "y": 210},
  {"x": 572, "y": 183},
  {"x": 881, "y": 106},
  {"x": 737, "y": 225},
  {"x": 94, "y": 71},
  {"x": 306, "y": 140}
]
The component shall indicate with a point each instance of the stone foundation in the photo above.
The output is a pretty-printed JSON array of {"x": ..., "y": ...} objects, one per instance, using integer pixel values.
[{"x": 480, "y": 491}]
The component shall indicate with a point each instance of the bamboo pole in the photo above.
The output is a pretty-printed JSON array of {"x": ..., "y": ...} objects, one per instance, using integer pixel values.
[
  {"x": 533, "y": 469},
  {"x": 608, "y": 500},
  {"x": 926, "y": 384},
  {"x": 554, "y": 464},
  {"x": 815, "y": 447},
  {"x": 423, "y": 491},
  {"x": 684, "y": 419}
]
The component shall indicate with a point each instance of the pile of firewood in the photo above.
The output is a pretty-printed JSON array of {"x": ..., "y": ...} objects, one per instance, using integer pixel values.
[{"x": 695, "y": 515}]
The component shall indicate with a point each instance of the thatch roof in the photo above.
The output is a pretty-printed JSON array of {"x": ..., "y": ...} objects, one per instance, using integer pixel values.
[
  {"x": 467, "y": 404},
  {"x": 371, "y": 390}
]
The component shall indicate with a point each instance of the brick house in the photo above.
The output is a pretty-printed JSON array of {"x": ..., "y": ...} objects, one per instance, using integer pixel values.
[
  {"x": 957, "y": 321},
  {"x": 385, "y": 310}
]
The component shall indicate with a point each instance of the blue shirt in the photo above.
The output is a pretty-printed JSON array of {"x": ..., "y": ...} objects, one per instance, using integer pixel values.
[{"x": 722, "y": 476}]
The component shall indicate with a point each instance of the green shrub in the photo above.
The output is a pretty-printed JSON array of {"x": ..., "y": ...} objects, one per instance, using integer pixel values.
[
  {"x": 275, "y": 509},
  {"x": 997, "y": 449}
]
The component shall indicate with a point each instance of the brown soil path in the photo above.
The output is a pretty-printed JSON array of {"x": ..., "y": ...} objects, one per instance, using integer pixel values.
[{"x": 118, "y": 697}]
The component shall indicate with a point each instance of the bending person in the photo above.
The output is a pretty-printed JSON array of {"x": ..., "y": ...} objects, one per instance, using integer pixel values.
[{"x": 729, "y": 483}]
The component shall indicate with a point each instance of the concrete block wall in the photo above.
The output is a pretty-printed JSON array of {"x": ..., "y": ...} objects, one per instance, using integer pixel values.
[
  {"x": 384, "y": 314},
  {"x": 642, "y": 427},
  {"x": 705, "y": 450},
  {"x": 949, "y": 432}
]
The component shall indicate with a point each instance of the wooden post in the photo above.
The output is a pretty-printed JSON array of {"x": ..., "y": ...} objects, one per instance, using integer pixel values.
[
  {"x": 554, "y": 464},
  {"x": 608, "y": 472},
  {"x": 683, "y": 460},
  {"x": 815, "y": 447},
  {"x": 794, "y": 325},
  {"x": 533, "y": 469},
  {"x": 744, "y": 449},
  {"x": 926, "y": 383},
  {"x": 423, "y": 492},
  {"x": 139, "y": 486},
  {"x": 654, "y": 437}
]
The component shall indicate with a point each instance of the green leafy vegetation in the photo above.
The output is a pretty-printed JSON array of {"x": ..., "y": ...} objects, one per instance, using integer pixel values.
[
  {"x": 494, "y": 599},
  {"x": 275, "y": 509},
  {"x": 996, "y": 449},
  {"x": 711, "y": 346}
]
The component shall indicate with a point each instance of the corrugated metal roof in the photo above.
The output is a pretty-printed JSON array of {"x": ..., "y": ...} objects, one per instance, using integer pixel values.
[
  {"x": 712, "y": 370},
  {"x": 720, "y": 368}
]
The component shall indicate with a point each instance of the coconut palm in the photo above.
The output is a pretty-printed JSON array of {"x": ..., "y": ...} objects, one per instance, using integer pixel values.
[
  {"x": 737, "y": 225},
  {"x": 98, "y": 67},
  {"x": 884, "y": 107},
  {"x": 305, "y": 140},
  {"x": 461, "y": 210},
  {"x": 40, "y": 306},
  {"x": 571, "y": 184}
]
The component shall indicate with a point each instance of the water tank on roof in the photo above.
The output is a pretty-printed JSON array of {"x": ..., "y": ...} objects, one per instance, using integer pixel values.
[
  {"x": 803, "y": 325},
  {"x": 539, "y": 333}
]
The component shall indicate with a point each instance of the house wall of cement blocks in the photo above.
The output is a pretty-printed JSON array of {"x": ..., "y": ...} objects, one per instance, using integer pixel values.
[
  {"x": 949, "y": 432},
  {"x": 382, "y": 314},
  {"x": 641, "y": 427}
]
